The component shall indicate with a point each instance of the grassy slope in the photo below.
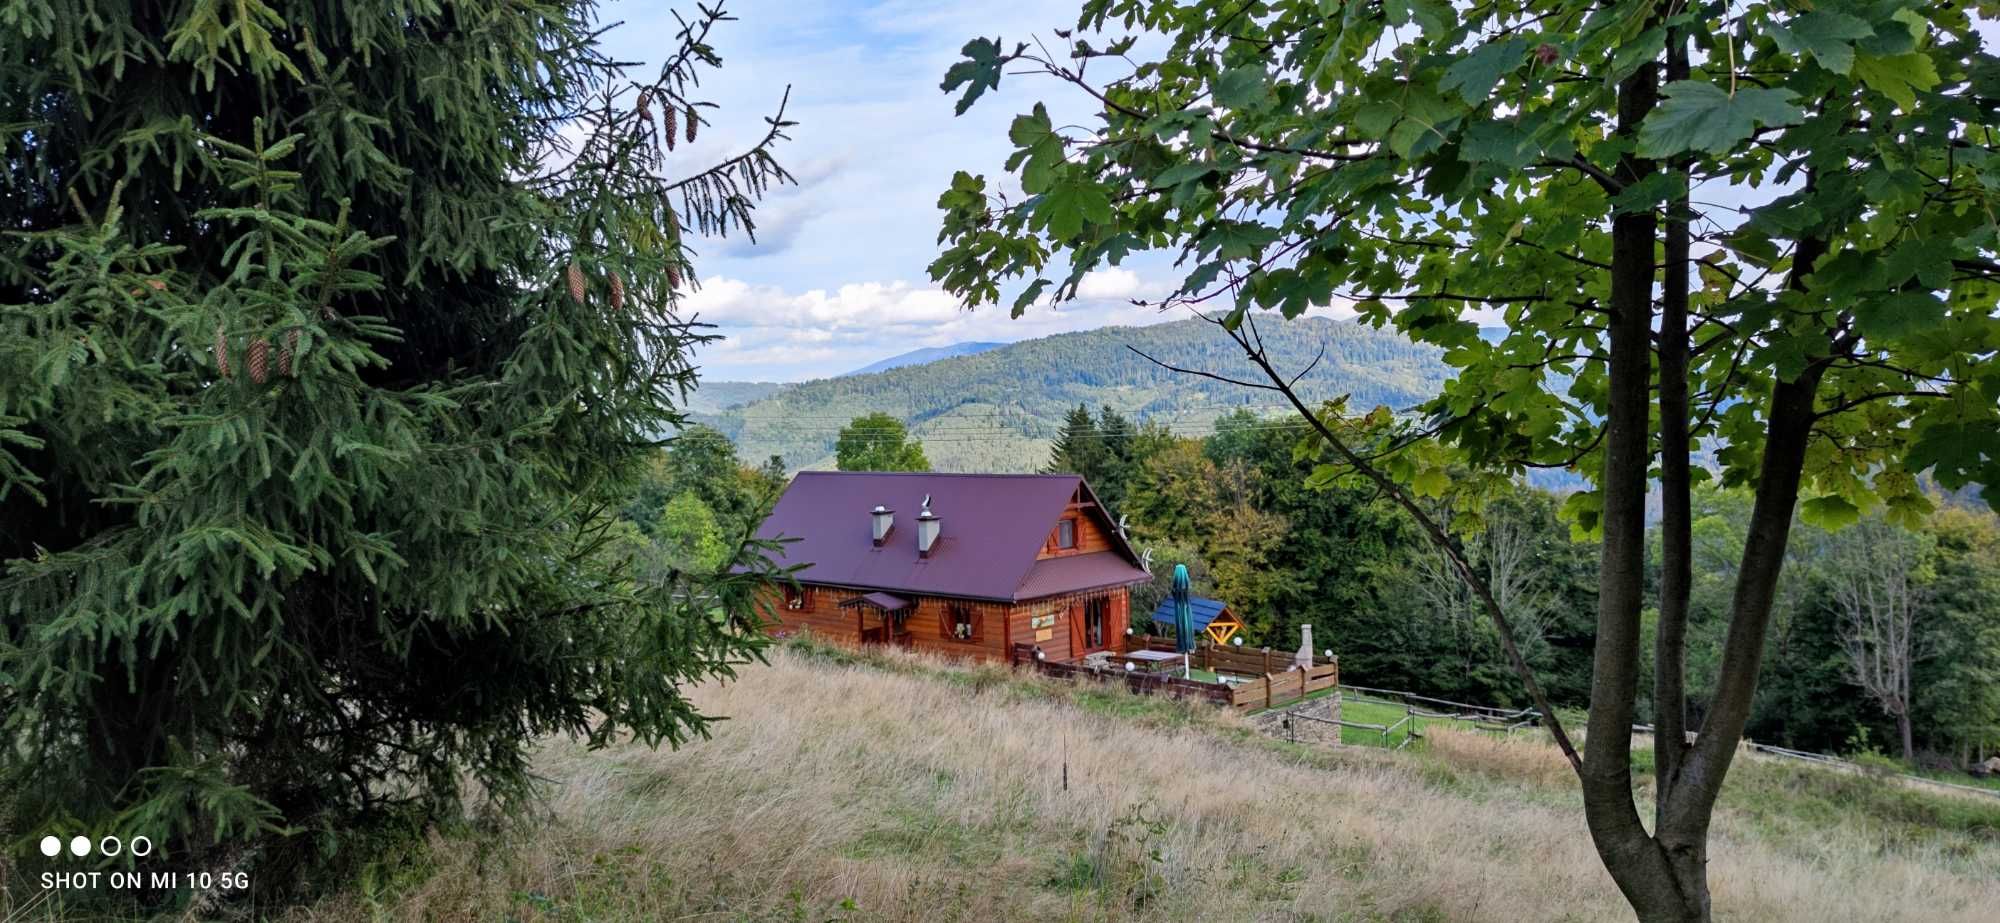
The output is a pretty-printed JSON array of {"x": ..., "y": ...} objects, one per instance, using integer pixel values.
[{"x": 896, "y": 788}]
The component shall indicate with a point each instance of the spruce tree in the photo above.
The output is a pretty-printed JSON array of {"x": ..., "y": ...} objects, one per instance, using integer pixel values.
[
  {"x": 330, "y": 333},
  {"x": 1076, "y": 448},
  {"x": 1116, "y": 461}
]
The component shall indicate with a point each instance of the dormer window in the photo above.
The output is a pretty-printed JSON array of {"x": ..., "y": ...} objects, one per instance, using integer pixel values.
[{"x": 1066, "y": 533}]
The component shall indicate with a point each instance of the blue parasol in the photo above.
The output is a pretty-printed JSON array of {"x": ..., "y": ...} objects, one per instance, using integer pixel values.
[{"x": 1183, "y": 612}]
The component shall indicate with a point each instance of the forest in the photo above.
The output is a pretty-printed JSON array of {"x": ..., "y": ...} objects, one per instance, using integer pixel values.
[
  {"x": 999, "y": 410},
  {"x": 1881, "y": 635}
]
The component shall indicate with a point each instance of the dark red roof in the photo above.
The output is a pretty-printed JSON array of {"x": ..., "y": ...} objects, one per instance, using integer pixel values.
[
  {"x": 1071, "y": 573},
  {"x": 992, "y": 528}
]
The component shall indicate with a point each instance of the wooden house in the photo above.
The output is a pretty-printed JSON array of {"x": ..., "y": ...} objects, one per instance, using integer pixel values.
[{"x": 962, "y": 564}]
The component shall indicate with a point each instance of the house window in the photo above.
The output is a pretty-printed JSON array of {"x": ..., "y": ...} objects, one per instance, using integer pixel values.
[
  {"x": 1066, "y": 534},
  {"x": 1094, "y": 614},
  {"x": 798, "y": 597},
  {"x": 961, "y": 621}
]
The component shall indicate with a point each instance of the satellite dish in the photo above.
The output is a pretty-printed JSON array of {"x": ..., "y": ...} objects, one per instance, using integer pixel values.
[
  {"x": 1146, "y": 560},
  {"x": 1121, "y": 524}
]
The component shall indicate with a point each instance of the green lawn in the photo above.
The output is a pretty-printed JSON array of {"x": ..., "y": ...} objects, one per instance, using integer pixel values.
[{"x": 1376, "y": 711}]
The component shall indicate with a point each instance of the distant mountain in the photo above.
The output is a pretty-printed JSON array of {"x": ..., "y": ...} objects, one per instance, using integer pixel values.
[
  {"x": 717, "y": 396},
  {"x": 1000, "y": 409},
  {"x": 921, "y": 356}
]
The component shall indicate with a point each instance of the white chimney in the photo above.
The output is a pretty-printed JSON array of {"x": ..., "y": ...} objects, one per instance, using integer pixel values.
[
  {"x": 881, "y": 520},
  {"x": 928, "y": 525},
  {"x": 1304, "y": 658}
]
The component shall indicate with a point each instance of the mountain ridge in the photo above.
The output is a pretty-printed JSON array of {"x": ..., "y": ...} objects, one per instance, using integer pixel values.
[
  {"x": 1000, "y": 409},
  {"x": 925, "y": 356}
]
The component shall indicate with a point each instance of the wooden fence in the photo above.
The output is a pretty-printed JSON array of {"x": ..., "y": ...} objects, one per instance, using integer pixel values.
[
  {"x": 1387, "y": 731},
  {"x": 1229, "y": 659},
  {"x": 1137, "y": 682},
  {"x": 1273, "y": 689},
  {"x": 1266, "y": 691}
]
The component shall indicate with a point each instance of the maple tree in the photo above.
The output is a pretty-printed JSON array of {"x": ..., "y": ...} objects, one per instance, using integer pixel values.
[{"x": 1750, "y": 242}]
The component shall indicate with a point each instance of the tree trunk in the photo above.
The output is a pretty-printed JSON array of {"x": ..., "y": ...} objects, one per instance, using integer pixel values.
[
  {"x": 1903, "y": 729},
  {"x": 1652, "y": 883},
  {"x": 1676, "y": 508},
  {"x": 1687, "y": 802}
]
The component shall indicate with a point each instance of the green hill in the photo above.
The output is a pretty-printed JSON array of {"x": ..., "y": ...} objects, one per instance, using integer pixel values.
[
  {"x": 999, "y": 410},
  {"x": 718, "y": 396}
]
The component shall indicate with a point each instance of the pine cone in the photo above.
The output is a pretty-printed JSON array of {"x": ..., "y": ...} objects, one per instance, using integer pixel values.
[
  {"x": 575, "y": 282},
  {"x": 259, "y": 360},
  {"x": 646, "y": 104},
  {"x": 692, "y": 122},
  {"x": 673, "y": 277},
  {"x": 221, "y": 351},
  {"x": 617, "y": 292},
  {"x": 287, "y": 351},
  {"x": 673, "y": 224},
  {"x": 668, "y": 118}
]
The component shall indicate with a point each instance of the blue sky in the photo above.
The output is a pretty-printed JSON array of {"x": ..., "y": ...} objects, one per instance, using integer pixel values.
[{"x": 837, "y": 278}]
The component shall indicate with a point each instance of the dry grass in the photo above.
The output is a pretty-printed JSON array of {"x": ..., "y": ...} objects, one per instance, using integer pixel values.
[
  {"x": 854, "y": 792},
  {"x": 1516, "y": 757}
]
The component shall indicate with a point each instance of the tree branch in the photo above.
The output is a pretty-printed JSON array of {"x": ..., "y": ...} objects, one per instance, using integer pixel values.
[{"x": 1436, "y": 533}]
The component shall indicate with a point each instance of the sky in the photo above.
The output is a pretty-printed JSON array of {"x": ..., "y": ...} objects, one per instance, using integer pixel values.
[{"x": 837, "y": 279}]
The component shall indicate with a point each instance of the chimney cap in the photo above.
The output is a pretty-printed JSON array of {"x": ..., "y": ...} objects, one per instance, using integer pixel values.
[
  {"x": 879, "y": 508},
  {"x": 928, "y": 515}
]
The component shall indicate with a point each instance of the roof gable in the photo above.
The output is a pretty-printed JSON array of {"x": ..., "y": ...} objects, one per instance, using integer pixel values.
[{"x": 993, "y": 527}]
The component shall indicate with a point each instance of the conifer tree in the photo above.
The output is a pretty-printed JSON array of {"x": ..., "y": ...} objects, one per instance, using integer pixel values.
[
  {"x": 1076, "y": 447},
  {"x": 1117, "y": 464},
  {"x": 330, "y": 335}
]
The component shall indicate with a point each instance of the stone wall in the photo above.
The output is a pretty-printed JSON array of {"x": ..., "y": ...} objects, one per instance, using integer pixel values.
[{"x": 1297, "y": 723}]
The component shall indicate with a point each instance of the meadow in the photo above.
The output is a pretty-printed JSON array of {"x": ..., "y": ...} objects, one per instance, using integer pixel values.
[{"x": 894, "y": 787}]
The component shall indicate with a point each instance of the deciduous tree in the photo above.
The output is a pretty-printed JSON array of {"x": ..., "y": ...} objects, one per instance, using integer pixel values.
[
  {"x": 879, "y": 442},
  {"x": 1881, "y": 578},
  {"x": 1755, "y": 225}
]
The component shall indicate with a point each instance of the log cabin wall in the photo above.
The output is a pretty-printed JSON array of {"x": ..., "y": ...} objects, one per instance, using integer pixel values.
[
  {"x": 819, "y": 613},
  {"x": 998, "y": 626},
  {"x": 1054, "y": 639},
  {"x": 927, "y": 623},
  {"x": 1058, "y": 641}
]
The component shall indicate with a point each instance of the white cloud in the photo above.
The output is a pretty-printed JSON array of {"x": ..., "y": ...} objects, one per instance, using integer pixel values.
[
  {"x": 876, "y": 142},
  {"x": 858, "y": 305},
  {"x": 1109, "y": 283},
  {"x": 864, "y": 91},
  {"x": 771, "y": 333}
]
